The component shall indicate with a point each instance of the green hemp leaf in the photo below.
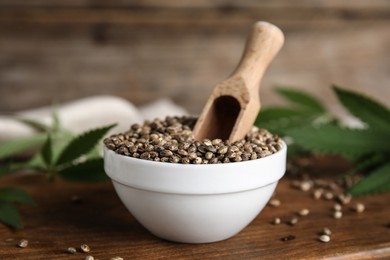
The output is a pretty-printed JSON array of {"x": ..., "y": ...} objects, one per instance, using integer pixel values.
[
  {"x": 313, "y": 129},
  {"x": 74, "y": 158}
]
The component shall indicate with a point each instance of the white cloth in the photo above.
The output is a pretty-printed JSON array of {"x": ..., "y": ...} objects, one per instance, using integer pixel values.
[{"x": 84, "y": 114}]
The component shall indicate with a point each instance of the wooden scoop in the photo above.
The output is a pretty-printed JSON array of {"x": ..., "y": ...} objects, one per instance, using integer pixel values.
[{"x": 233, "y": 106}]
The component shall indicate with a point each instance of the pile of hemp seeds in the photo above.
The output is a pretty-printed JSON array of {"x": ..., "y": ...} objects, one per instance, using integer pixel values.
[{"x": 172, "y": 140}]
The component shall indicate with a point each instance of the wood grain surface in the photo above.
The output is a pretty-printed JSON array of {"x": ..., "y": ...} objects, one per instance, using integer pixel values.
[
  {"x": 55, "y": 51},
  {"x": 102, "y": 222}
]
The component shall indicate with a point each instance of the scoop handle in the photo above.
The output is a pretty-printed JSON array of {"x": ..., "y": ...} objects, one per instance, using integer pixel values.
[{"x": 261, "y": 47}]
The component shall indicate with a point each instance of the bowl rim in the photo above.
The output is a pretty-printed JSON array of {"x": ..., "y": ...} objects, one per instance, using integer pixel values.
[{"x": 194, "y": 178}]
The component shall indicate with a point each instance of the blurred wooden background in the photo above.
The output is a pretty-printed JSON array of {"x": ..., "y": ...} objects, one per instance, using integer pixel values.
[{"x": 142, "y": 50}]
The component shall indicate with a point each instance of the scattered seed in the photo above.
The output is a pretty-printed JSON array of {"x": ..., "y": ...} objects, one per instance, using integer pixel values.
[
  {"x": 274, "y": 203},
  {"x": 305, "y": 186},
  {"x": 85, "y": 248},
  {"x": 89, "y": 257},
  {"x": 324, "y": 238},
  {"x": 333, "y": 186},
  {"x": 359, "y": 207},
  {"x": 23, "y": 243},
  {"x": 337, "y": 207},
  {"x": 328, "y": 195},
  {"x": 276, "y": 221},
  {"x": 116, "y": 258},
  {"x": 71, "y": 250},
  {"x": 288, "y": 238},
  {"x": 337, "y": 214},
  {"x": 293, "y": 221},
  {"x": 326, "y": 231},
  {"x": 344, "y": 199},
  {"x": 317, "y": 194},
  {"x": 304, "y": 212}
]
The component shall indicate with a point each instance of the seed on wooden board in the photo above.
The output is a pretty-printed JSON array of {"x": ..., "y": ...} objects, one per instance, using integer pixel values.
[
  {"x": 274, "y": 203},
  {"x": 333, "y": 186},
  {"x": 293, "y": 221},
  {"x": 324, "y": 238},
  {"x": 337, "y": 214},
  {"x": 23, "y": 243},
  {"x": 276, "y": 221},
  {"x": 85, "y": 248},
  {"x": 328, "y": 195},
  {"x": 71, "y": 250},
  {"x": 89, "y": 257},
  {"x": 344, "y": 198},
  {"x": 359, "y": 207},
  {"x": 317, "y": 194},
  {"x": 305, "y": 186},
  {"x": 337, "y": 207},
  {"x": 326, "y": 231},
  {"x": 288, "y": 238},
  {"x": 304, "y": 212},
  {"x": 116, "y": 258}
]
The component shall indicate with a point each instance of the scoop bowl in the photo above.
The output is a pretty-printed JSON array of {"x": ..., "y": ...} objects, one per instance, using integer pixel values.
[{"x": 194, "y": 203}]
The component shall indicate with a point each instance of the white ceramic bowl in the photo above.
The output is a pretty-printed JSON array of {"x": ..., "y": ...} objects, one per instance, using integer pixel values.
[{"x": 194, "y": 203}]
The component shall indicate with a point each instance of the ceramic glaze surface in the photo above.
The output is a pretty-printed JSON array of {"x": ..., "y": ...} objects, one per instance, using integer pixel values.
[{"x": 194, "y": 203}]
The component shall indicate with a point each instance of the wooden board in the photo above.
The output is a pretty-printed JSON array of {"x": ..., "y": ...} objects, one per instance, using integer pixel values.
[{"x": 102, "y": 222}]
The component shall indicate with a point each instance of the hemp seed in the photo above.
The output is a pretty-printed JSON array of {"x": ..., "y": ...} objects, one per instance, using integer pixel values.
[
  {"x": 89, "y": 257},
  {"x": 116, "y": 258},
  {"x": 305, "y": 186},
  {"x": 328, "y": 195},
  {"x": 71, "y": 250},
  {"x": 85, "y": 248},
  {"x": 198, "y": 160},
  {"x": 344, "y": 199},
  {"x": 359, "y": 207},
  {"x": 337, "y": 207},
  {"x": 276, "y": 221},
  {"x": 172, "y": 140},
  {"x": 326, "y": 231},
  {"x": 23, "y": 243},
  {"x": 293, "y": 221},
  {"x": 317, "y": 194},
  {"x": 304, "y": 212},
  {"x": 324, "y": 238},
  {"x": 274, "y": 203},
  {"x": 337, "y": 214}
]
